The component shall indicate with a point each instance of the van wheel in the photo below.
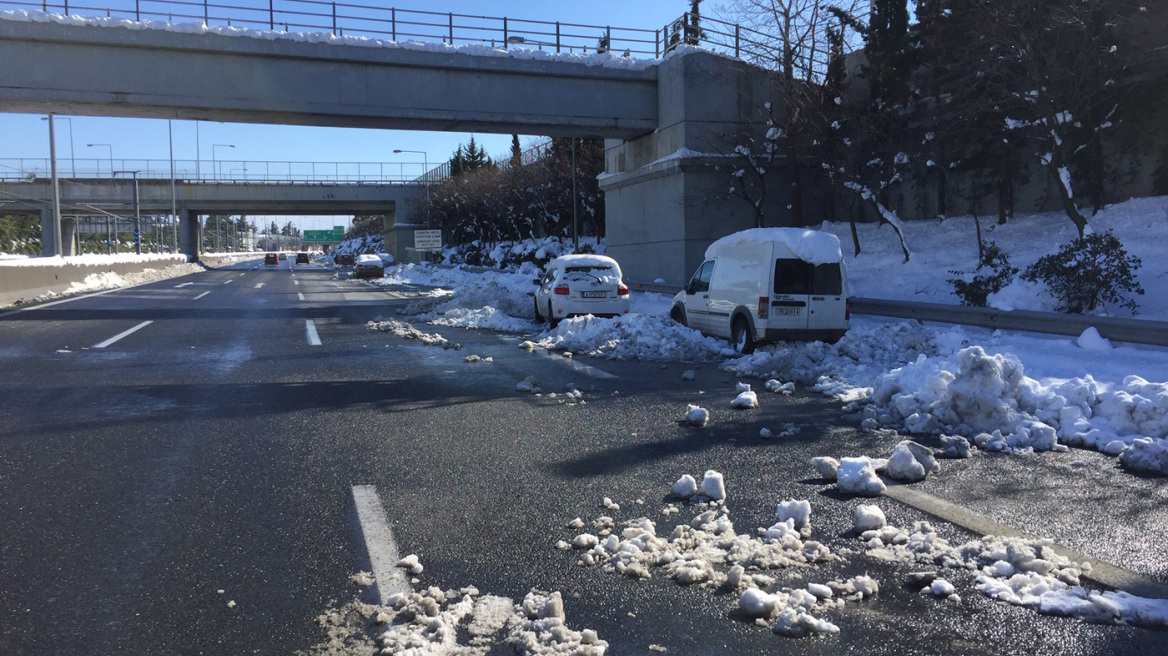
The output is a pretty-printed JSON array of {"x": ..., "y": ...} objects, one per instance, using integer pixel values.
[
  {"x": 743, "y": 339},
  {"x": 552, "y": 320},
  {"x": 538, "y": 316},
  {"x": 678, "y": 315}
]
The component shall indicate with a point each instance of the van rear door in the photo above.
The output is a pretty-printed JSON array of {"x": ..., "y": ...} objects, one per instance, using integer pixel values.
[
  {"x": 792, "y": 290},
  {"x": 827, "y": 304}
]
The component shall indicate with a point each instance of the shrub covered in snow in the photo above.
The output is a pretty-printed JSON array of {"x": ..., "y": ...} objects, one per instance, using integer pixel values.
[{"x": 1091, "y": 270}]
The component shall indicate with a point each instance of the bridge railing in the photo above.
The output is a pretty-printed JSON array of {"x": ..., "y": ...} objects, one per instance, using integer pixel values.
[
  {"x": 352, "y": 19},
  {"x": 219, "y": 170}
]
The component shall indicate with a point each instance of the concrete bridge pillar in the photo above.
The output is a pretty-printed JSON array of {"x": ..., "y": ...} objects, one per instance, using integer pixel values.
[
  {"x": 190, "y": 239},
  {"x": 68, "y": 236},
  {"x": 668, "y": 194}
]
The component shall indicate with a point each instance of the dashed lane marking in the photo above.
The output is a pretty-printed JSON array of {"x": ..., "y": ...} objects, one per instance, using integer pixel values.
[
  {"x": 122, "y": 334},
  {"x": 301, "y": 295},
  {"x": 310, "y": 332},
  {"x": 379, "y": 543},
  {"x": 229, "y": 280},
  {"x": 259, "y": 285},
  {"x": 200, "y": 296},
  {"x": 185, "y": 284}
]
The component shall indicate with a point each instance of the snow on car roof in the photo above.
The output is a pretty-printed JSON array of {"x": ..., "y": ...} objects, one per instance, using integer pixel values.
[
  {"x": 586, "y": 260},
  {"x": 812, "y": 246},
  {"x": 368, "y": 257}
]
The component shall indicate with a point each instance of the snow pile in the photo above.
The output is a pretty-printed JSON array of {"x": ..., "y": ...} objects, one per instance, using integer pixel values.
[
  {"x": 635, "y": 336},
  {"x": 989, "y": 399},
  {"x": 790, "y": 611},
  {"x": 911, "y": 462},
  {"x": 707, "y": 551},
  {"x": 434, "y": 621},
  {"x": 403, "y": 329}
]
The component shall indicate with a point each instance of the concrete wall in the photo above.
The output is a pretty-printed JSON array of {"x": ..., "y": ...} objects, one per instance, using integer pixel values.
[
  {"x": 29, "y": 279},
  {"x": 667, "y": 194}
]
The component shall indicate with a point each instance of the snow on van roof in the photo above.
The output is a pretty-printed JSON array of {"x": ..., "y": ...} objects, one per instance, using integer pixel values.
[
  {"x": 587, "y": 259},
  {"x": 812, "y": 246}
]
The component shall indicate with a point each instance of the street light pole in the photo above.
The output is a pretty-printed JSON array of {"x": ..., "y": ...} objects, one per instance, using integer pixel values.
[
  {"x": 72, "y": 154},
  {"x": 56, "y": 190},
  {"x": 111, "y": 156},
  {"x": 137, "y": 214},
  {"x": 214, "y": 159}
]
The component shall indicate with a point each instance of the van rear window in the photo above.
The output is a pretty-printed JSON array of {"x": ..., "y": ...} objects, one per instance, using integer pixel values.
[{"x": 799, "y": 277}]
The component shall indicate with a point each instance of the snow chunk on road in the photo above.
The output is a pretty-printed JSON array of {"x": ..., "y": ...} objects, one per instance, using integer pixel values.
[
  {"x": 797, "y": 510},
  {"x": 1091, "y": 340},
  {"x": 697, "y": 416},
  {"x": 1146, "y": 454},
  {"x": 747, "y": 399},
  {"x": 713, "y": 485},
  {"x": 911, "y": 462},
  {"x": 828, "y": 468},
  {"x": 685, "y": 487},
  {"x": 869, "y": 518},
  {"x": 858, "y": 476}
]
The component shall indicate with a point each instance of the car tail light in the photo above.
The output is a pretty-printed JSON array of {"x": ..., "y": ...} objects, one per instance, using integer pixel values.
[
  {"x": 763, "y": 307},
  {"x": 561, "y": 290},
  {"x": 622, "y": 289}
]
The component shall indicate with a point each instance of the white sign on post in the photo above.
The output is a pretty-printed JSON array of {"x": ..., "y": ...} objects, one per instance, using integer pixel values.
[{"x": 428, "y": 240}]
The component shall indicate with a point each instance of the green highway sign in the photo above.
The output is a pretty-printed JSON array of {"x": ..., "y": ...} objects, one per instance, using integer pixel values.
[{"x": 324, "y": 236}]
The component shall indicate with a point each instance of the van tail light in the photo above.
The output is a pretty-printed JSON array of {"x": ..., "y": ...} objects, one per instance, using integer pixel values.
[
  {"x": 848, "y": 310},
  {"x": 764, "y": 307},
  {"x": 622, "y": 289},
  {"x": 561, "y": 290}
]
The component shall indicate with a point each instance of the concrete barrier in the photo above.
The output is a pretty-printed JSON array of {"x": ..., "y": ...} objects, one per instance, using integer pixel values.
[
  {"x": 23, "y": 280},
  {"x": 213, "y": 260}
]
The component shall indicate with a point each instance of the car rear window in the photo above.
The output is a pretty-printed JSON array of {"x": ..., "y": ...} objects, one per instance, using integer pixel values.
[{"x": 799, "y": 277}]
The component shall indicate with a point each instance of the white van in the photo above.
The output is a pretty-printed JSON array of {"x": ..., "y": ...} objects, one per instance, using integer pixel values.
[{"x": 768, "y": 284}]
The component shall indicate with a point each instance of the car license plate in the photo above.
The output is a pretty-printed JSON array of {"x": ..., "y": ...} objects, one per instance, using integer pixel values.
[
  {"x": 787, "y": 311},
  {"x": 593, "y": 294}
]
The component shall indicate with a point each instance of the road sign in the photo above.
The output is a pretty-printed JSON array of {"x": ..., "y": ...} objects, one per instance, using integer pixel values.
[
  {"x": 322, "y": 236},
  {"x": 428, "y": 240}
]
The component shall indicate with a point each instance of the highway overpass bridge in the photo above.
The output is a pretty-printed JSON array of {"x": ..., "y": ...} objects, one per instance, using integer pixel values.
[
  {"x": 665, "y": 200},
  {"x": 126, "y": 197}
]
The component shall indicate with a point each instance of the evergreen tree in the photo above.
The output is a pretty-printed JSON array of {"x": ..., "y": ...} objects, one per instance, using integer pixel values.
[{"x": 516, "y": 152}]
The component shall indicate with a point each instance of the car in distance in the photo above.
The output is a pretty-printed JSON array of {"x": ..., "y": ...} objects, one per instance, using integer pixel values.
[
  {"x": 768, "y": 284},
  {"x": 283, "y": 256},
  {"x": 344, "y": 259},
  {"x": 271, "y": 259},
  {"x": 580, "y": 284},
  {"x": 368, "y": 266},
  {"x": 302, "y": 258}
]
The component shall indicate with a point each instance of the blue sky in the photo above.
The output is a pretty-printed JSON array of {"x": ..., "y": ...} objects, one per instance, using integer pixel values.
[{"x": 27, "y": 135}]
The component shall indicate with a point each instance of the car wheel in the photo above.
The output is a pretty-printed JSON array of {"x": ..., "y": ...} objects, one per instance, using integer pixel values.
[
  {"x": 552, "y": 320},
  {"x": 678, "y": 315},
  {"x": 538, "y": 316},
  {"x": 743, "y": 339}
]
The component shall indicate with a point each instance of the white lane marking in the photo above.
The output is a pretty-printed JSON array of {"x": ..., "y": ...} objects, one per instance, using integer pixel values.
[
  {"x": 258, "y": 286},
  {"x": 200, "y": 296},
  {"x": 122, "y": 334},
  {"x": 243, "y": 274},
  {"x": 228, "y": 280},
  {"x": 379, "y": 543},
  {"x": 310, "y": 331},
  {"x": 185, "y": 284},
  {"x": 295, "y": 282},
  {"x": 301, "y": 295}
]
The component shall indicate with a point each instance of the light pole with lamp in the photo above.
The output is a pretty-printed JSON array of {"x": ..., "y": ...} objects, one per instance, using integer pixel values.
[
  {"x": 214, "y": 159},
  {"x": 72, "y": 154},
  {"x": 111, "y": 155},
  {"x": 110, "y": 242}
]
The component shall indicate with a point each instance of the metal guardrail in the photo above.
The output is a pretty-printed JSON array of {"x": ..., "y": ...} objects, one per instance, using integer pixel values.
[
  {"x": 387, "y": 23},
  {"x": 220, "y": 170},
  {"x": 1139, "y": 331},
  {"x": 1136, "y": 331}
]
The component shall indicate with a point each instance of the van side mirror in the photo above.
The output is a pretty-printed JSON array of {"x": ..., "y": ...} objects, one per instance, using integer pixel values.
[{"x": 689, "y": 287}]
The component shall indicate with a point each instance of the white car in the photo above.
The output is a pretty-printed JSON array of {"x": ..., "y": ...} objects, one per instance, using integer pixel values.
[
  {"x": 368, "y": 266},
  {"x": 575, "y": 285}
]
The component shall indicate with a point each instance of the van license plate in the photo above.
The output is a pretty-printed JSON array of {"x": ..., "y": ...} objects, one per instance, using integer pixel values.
[
  {"x": 593, "y": 294},
  {"x": 786, "y": 311}
]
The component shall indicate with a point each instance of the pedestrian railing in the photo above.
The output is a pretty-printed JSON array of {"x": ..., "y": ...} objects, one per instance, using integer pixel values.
[{"x": 210, "y": 171}]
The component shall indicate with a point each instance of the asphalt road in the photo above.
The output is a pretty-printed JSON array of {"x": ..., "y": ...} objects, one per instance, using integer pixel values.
[{"x": 188, "y": 488}]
